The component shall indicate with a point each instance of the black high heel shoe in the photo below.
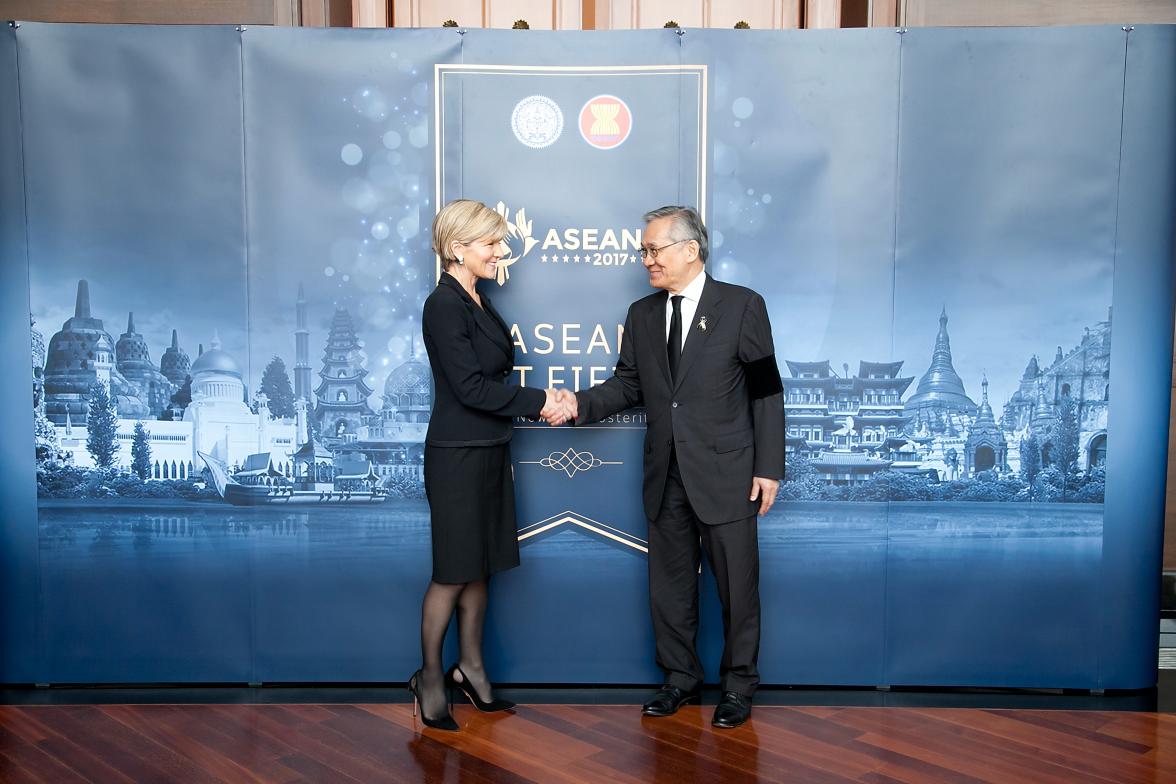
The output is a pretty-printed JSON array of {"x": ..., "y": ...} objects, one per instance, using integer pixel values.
[
  {"x": 493, "y": 706},
  {"x": 445, "y": 722}
]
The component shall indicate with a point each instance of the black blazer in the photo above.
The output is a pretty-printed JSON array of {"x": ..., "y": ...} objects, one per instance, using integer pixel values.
[
  {"x": 725, "y": 415},
  {"x": 472, "y": 356}
]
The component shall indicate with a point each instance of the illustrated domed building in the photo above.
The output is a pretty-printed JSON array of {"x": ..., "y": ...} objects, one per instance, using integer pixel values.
[
  {"x": 408, "y": 393},
  {"x": 940, "y": 404},
  {"x": 133, "y": 360},
  {"x": 222, "y": 425},
  {"x": 217, "y": 376},
  {"x": 175, "y": 364},
  {"x": 940, "y": 415},
  {"x": 80, "y": 355}
]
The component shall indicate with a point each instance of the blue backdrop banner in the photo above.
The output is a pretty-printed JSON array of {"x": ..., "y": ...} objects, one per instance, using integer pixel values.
[{"x": 221, "y": 239}]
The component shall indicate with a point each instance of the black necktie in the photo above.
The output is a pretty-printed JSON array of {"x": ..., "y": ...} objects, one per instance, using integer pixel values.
[{"x": 674, "y": 344}]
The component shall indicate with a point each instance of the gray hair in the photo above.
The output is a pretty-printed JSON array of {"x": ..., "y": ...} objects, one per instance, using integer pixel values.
[{"x": 687, "y": 226}]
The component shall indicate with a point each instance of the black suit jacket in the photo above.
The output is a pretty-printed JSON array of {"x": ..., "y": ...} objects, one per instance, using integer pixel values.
[
  {"x": 725, "y": 415},
  {"x": 472, "y": 356}
]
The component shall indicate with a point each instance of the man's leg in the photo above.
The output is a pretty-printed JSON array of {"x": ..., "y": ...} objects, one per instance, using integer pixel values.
[
  {"x": 733, "y": 552},
  {"x": 673, "y": 585}
]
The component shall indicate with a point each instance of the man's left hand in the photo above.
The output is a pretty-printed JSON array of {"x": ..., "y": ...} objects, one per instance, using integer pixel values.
[{"x": 765, "y": 491}]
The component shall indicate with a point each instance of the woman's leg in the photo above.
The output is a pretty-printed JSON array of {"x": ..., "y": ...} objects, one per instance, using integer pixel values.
[
  {"x": 471, "y": 617},
  {"x": 436, "y": 611}
]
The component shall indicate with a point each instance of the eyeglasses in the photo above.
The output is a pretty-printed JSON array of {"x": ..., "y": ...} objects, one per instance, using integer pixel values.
[{"x": 652, "y": 252}]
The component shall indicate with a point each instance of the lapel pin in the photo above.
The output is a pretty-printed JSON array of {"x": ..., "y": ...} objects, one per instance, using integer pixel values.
[{"x": 702, "y": 323}]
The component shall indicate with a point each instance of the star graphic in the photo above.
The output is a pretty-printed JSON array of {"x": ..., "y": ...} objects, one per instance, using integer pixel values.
[
  {"x": 577, "y": 258},
  {"x": 565, "y": 258},
  {"x": 543, "y": 258}
]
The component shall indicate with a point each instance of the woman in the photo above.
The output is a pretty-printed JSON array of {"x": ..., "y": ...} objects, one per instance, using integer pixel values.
[{"x": 467, "y": 454}]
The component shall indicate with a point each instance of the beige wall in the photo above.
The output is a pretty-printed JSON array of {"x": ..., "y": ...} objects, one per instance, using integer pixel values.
[
  {"x": 601, "y": 14},
  {"x": 140, "y": 12},
  {"x": 775, "y": 14},
  {"x": 916, "y": 13},
  {"x": 539, "y": 14},
  {"x": 597, "y": 14},
  {"x": 310, "y": 13}
]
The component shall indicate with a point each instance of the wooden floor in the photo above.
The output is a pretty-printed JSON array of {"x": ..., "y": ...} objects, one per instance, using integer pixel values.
[{"x": 567, "y": 743}]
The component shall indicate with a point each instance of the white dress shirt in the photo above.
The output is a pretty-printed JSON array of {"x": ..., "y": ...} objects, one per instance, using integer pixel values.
[{"x": 690, "y": 297}]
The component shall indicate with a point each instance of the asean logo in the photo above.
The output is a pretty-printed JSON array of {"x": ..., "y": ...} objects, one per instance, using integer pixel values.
[
  {"x": 536, "y": 121},
  {"x": 518, "y": 240},
  {"x": 605, "y": 122}
]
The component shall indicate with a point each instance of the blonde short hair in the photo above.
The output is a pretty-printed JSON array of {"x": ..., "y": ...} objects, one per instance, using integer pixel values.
[{"x": 465, "y": 221}]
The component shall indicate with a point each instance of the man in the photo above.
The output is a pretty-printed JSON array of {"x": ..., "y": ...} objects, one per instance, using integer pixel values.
[{"x": 698, "y": 354}]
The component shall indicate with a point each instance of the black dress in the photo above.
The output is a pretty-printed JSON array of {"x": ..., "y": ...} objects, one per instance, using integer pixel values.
[{"x": 467, "y": 451}]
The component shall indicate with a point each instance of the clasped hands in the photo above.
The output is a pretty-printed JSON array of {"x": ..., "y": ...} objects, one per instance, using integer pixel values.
[{"x": 560, "y": 407}]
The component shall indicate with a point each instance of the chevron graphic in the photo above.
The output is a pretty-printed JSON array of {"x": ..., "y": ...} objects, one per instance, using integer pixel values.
[{"x": 579, "y": 521}]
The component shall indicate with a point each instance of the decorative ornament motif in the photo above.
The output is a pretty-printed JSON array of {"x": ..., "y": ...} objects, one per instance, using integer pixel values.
[{"x": 571, "y": 462}]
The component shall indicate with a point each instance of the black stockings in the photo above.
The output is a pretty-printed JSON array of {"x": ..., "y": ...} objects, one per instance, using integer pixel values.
[{"x": 469, "y": 599}]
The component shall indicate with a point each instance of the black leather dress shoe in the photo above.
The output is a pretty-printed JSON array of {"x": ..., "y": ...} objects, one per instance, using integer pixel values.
[
  {"x": 667, "y": 701},
  {"x": 732, "y": 710}
]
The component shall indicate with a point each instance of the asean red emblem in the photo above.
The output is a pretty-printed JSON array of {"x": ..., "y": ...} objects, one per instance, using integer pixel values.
[{"x": 605, "y": 122}]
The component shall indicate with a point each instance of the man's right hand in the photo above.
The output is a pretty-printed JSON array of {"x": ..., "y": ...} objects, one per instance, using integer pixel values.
[{"x": 561, "y": 407}]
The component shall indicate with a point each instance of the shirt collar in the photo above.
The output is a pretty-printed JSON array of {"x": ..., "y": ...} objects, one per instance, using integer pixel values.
[{"x": 693, "y": 290}]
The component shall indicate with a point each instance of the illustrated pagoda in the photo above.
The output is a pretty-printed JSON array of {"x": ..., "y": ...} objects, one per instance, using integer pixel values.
[{"x": 342, "y": 395}]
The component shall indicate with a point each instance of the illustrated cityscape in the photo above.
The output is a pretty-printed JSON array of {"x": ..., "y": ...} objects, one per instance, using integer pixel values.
[
  {"x": 851, "y": 428},
  {"x": 197, "y": 414},
  {"x": 849, "y": 436}
]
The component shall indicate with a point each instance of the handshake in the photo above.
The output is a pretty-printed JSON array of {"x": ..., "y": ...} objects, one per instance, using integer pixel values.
[{"x": 560, "y": 407}]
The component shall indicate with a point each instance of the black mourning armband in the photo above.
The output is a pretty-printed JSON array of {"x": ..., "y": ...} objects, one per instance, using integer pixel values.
[{"x": 763, "y": 377}]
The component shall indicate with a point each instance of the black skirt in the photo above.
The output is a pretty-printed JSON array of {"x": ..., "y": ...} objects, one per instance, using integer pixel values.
[{"x": 472, "y": 512}]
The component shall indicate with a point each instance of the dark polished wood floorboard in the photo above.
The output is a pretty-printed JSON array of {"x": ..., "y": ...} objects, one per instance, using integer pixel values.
[{"x": 578, "y": 743}]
